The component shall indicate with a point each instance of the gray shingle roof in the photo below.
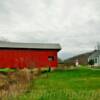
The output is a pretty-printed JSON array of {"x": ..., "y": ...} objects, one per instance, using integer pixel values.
[
  {"x": 30, "y": 45},
  {"x": 95, "y": 54}
]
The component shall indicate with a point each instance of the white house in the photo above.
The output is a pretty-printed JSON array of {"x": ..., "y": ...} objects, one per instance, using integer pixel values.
[{"x": 95, "y": 56}]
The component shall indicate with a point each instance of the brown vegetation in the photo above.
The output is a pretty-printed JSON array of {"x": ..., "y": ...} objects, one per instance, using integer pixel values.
[{"x": 14, "y": 83}]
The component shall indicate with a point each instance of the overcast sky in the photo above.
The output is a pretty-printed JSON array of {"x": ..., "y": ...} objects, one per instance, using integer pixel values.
[{"x": 75, "y": 24}]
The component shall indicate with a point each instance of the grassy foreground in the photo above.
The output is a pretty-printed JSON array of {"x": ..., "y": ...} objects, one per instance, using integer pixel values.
[
  {"x": 5, "y": 70},
  {"x": 78, "y": 84}
]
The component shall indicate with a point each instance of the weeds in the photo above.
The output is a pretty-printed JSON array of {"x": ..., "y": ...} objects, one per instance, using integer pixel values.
[
  {"x": 15, "y": 83},
  {"x": 77, "y": 84}
]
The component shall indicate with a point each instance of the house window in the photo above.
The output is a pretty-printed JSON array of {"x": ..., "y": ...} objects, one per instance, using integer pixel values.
[
  {"x": 95, "y": 60},
  {"x": 50, "y": 58}
]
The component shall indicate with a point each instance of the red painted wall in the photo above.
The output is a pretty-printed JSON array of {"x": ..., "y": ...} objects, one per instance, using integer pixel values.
[{"x": 19, "y": 58}]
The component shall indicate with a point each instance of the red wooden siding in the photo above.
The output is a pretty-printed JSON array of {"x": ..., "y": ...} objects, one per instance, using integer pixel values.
[{"x": 20, "y": 58}]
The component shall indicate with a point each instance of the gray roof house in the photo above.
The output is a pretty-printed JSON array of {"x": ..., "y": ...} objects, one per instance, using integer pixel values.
[{"x": 96, "y": 57}]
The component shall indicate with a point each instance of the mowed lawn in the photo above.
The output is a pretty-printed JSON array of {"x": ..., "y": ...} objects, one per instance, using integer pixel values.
[{"x": 77, "y": 84}]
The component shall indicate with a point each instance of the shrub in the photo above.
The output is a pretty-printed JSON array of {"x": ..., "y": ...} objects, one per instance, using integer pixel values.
[{"x": 91, "y": 62}]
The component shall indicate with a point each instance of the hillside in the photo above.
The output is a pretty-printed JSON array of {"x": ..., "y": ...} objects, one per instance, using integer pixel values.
[{"x": 82, "y": 58}]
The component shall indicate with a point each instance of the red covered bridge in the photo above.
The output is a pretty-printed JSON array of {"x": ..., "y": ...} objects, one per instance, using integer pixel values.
[{"x": 21, "y": 55}]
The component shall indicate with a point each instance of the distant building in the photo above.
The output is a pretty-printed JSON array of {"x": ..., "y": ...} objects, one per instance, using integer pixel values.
[{"x": 95, "y": 56}]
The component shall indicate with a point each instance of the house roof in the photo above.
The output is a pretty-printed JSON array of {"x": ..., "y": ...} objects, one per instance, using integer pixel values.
[
  {"x": 95, "y": 54},
  {"x": 30, "y": 45}
]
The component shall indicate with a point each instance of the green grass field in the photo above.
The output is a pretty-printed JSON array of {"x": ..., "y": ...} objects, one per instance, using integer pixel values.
[
  {"x": 77, "y": 84},
  {"x": 5, "y": 70}
]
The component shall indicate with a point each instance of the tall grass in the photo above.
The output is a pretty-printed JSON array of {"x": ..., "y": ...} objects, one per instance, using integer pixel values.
[
  {"x": 77, "y": 84},
  {"x": 15, "y": 83}
]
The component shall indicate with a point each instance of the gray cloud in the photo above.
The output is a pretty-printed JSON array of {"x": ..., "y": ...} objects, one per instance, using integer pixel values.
[{"x": 74, "y": 24}]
